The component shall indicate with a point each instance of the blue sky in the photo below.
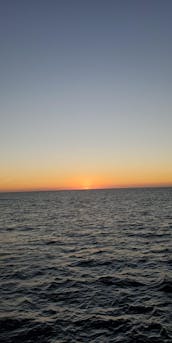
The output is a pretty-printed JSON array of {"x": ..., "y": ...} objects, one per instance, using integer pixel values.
[{"x": 85, "y": 85}]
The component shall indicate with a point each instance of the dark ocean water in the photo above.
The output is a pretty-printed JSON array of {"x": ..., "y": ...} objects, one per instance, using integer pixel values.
[{"x": 86, "y": 266}]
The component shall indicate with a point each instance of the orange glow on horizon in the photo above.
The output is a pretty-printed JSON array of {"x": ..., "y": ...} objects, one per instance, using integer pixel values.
[
  {"x": 31, "y": 178},
  {"x": 52, "y": 181}
]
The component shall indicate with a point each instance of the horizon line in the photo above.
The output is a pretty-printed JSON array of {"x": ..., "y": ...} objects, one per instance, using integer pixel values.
[{"x": 85, "y": 189}]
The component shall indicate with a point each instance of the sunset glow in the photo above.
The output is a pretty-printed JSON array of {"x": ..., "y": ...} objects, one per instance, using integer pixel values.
[{"x": 53, "y": 181}]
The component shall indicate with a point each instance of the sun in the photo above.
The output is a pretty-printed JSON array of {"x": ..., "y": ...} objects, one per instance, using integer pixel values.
[
  {"x": 86, "y": 188},
  {"x": 86, "y": 185}
]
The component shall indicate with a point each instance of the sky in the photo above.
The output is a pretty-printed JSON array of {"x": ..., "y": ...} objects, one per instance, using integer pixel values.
[{"x": 85, "y": 94}]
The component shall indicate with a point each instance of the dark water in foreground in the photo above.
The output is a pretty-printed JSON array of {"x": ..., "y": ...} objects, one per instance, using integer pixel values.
[{"x": 86, "y": 266}]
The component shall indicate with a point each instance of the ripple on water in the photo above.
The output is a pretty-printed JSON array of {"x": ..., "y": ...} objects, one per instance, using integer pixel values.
[{"x": 91, "y": 266}]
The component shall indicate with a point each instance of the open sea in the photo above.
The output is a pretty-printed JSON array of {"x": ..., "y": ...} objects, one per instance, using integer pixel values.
[{"x": 86, "y": 266}]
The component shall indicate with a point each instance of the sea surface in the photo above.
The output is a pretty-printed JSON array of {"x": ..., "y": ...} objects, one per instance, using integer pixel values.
[{"x": 86, "y": 266}]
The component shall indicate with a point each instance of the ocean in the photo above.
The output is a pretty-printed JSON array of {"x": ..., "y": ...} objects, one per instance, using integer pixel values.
[{"x": 86, "y": 266}]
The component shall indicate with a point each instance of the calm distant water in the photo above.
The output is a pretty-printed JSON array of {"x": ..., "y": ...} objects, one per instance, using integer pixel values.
[{"x": 86, "y": 266}]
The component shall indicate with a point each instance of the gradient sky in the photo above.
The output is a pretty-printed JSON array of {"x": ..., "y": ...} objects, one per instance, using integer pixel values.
[{"x": 85, "y": 93}]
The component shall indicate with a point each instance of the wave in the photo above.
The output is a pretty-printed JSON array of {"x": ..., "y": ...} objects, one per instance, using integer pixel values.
[{"x": 122, "y": 282}]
